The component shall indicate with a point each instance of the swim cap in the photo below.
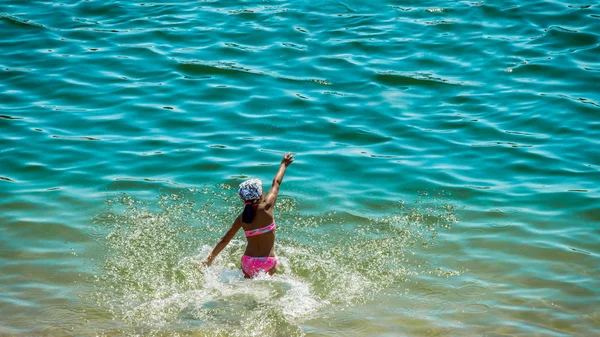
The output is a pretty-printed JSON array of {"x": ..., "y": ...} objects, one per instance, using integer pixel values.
[{"x": 250, "y": 190}]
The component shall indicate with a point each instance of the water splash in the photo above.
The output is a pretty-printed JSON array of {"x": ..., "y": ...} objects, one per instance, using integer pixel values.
[{"x": 150, "y": 283}]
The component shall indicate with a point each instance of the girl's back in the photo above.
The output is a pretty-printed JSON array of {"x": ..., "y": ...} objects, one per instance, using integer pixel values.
[{"x": 260, "y": 245}]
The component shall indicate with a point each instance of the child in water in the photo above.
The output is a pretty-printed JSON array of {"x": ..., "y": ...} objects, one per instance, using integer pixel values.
[{"x": 258, "y": 223}]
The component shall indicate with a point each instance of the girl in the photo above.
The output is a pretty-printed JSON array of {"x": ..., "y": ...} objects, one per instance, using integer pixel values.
[{"x": 258, "y": 224}]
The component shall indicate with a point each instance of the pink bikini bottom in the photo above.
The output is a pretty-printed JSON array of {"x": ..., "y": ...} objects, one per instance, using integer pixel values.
[{"x": 254, "y": 265}]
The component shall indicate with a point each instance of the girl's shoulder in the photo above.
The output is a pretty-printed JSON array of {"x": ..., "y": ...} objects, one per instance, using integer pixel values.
[{"x": 262, "y": 207}]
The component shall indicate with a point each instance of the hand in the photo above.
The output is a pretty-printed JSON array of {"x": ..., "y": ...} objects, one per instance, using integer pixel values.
[
  {"x": 205, "y": 264},
  {"x": 288, "y": 158}
]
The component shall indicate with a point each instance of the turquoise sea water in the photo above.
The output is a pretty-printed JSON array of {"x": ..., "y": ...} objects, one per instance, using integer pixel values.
[{"x": 446, "y": 181}]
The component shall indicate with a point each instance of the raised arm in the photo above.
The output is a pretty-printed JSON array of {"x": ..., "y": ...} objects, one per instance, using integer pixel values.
[
  {"x": 288, "y": 158},
  {"x": 237, "y": 224}
]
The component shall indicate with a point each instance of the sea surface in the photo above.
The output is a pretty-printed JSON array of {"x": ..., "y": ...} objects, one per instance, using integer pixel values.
[{"x": 446, "y": 182}]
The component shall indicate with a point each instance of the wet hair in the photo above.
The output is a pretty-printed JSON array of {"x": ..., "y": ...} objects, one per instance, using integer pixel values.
[{"x": 249, "y": 213}]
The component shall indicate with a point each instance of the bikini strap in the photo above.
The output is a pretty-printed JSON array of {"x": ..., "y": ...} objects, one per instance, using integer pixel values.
[{"x": 259, "y": 231}]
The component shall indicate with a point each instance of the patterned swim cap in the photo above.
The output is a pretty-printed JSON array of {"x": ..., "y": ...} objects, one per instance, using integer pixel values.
[{"x": 250, "y": 190}]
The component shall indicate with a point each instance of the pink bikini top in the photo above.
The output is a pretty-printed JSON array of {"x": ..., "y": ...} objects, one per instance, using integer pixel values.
[{"x": 259, "y": 231}]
